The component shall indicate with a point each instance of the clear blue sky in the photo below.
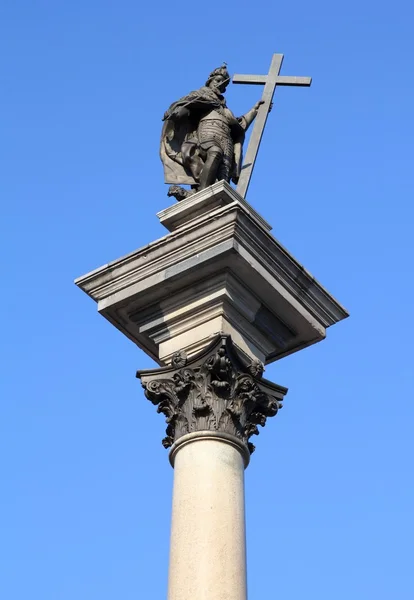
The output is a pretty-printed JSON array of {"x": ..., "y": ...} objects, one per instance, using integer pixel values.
[{"x": 85, "y": 483}]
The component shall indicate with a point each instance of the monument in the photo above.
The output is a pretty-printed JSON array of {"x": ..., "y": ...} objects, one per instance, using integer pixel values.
[{"x": 212, "y": 302}]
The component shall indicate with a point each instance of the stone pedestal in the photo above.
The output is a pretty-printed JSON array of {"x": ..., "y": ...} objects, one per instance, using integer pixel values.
[
  {"x": 212, "y": 302},
  {"x": 218, "y": 270}
]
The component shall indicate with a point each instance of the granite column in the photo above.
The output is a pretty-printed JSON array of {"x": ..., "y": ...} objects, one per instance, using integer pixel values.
[{"x": 213, "y": 404}]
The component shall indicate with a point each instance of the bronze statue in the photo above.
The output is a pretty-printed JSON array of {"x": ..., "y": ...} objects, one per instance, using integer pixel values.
[{"x": 202, "y": 140}]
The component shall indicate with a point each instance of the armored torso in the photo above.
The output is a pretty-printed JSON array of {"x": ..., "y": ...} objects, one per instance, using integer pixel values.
[{"x": 214, "y": 129}]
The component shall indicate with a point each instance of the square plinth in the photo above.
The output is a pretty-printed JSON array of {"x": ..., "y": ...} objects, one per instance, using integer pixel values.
[{"x": 218, "y": 271}]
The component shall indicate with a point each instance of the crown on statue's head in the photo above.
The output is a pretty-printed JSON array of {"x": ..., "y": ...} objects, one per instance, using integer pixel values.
[{"x": 220, "y": 71}]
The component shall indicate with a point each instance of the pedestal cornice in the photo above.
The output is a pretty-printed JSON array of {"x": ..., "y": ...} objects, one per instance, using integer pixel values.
[{"x": 215, "y": 391}]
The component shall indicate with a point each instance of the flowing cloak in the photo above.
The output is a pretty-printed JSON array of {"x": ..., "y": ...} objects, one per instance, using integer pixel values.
[{"x": 176, "y": 132}]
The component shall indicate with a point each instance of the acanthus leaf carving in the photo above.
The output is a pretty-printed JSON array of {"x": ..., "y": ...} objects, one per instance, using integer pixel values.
[{"x": 214, "y": 392}]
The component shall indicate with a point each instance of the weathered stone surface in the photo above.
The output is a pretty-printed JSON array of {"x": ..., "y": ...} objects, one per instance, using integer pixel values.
[
  {"x": 220, "y": 271},
  {"x": 215, "y": 391},
  {"x": 198, "y": 205}
]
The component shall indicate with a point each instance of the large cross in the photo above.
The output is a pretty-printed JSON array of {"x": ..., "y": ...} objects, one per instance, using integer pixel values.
[{"x": 270, "y": 81}]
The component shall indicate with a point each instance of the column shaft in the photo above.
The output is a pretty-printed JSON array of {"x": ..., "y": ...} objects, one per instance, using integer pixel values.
[{"x": 208, "y": 550}]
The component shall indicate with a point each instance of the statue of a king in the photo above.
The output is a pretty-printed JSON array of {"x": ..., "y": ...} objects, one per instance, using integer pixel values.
[{"x": 202, "y": 140}]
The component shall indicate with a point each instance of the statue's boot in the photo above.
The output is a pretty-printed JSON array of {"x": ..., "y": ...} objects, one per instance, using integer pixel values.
[{"x": 209, "y": 172}]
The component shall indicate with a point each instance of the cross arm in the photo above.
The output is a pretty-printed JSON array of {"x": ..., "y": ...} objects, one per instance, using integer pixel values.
[
  {"x": 283, "y": 80},
  {"x": 250, "y": 79},
  {"x": 279, "y": 80}
]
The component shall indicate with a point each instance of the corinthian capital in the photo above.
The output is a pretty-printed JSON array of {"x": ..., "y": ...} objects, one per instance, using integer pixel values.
[{"x": 214, "y": 391}]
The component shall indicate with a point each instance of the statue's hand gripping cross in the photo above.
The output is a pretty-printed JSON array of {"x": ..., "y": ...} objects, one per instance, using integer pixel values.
[{"x": 270, "y": 81}]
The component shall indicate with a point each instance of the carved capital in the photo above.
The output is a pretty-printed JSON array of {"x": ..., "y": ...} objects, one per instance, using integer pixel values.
[{"x": 215, "y": 391}]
